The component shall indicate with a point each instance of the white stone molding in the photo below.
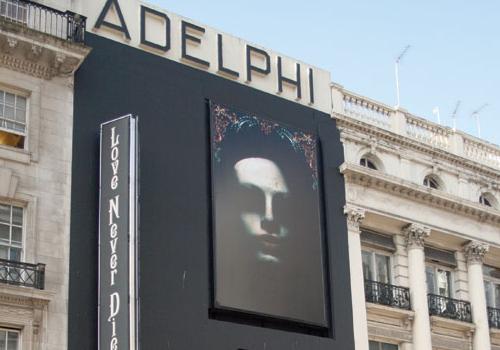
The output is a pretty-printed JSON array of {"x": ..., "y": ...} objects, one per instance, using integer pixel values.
[
  {"x": 354, "y": 129},
  {"x": 38, "y": 54},
  {"x": 403, "y": 188},
  {"x": 475, "y": 252},
  {"x": 355, "y": 215},
  {"x": 415, "y": 235}
]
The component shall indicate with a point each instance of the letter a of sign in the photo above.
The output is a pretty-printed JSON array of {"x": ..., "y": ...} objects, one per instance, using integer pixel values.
[{"x": 101, "y": 21}]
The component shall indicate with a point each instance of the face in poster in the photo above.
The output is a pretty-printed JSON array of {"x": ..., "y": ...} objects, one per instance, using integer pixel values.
[{"x": 268, "y": 254}]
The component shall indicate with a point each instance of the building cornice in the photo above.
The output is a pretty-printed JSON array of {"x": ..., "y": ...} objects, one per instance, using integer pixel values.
[
  {"x": 375, "y": 179},
  {"x": 38, "y": 54},
  {"x": 346, "y": 124}
]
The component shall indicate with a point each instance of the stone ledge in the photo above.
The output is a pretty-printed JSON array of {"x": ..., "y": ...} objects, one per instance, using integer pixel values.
[
  {"x": 24, "y": 296},
  {"x": 393, "y": 316},
  {"x": 454, "y": 326},
  {"x": 38, "y": 54}
]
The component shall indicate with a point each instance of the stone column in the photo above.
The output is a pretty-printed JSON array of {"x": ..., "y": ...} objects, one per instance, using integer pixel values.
[
  {"x": 354, "y": 217},
  {"x": 415, "y": 235},
  {"x": 475, "y": 251}
]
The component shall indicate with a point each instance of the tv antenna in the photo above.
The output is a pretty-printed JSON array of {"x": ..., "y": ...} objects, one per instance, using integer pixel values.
[
  {"x": 475, "y": 115},
  {"x": 435, "y": 111},
  {"x": 396, "y": 68},
  {"x": 454, "y": 115}
]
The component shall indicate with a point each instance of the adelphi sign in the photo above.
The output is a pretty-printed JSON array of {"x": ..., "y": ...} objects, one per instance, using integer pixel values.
[{"x": 176, "y": 38}]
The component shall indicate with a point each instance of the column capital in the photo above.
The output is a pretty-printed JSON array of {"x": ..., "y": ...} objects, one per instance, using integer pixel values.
[
  {"x": 415, "y": 235},
  {"x": 355, "y": 216},
  {"x": 475, "y": 252}
]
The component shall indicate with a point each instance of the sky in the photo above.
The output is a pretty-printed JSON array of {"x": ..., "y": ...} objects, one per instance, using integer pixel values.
[{"x": 454, "y": 54}]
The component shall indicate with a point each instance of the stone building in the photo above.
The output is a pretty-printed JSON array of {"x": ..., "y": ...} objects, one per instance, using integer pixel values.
[
  {"x": 40, "y": 48},
  {"x": 424, "y": 239}
]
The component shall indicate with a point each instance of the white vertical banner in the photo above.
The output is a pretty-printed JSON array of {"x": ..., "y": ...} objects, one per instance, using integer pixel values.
[{"x": 118, "y": 235}]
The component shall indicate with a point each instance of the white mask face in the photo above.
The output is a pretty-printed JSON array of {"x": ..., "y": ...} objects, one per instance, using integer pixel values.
[{"x": 264, "y": 176}]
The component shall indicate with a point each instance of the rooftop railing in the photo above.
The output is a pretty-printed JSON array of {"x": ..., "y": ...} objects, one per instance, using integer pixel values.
[
  {"x": 387, "y": 294},
  {"x": 64, "y": 25},
  {"x": 404, "y": 123},
  {"x": 22, "y": 274},
  {"x": 449, "y": 308}
]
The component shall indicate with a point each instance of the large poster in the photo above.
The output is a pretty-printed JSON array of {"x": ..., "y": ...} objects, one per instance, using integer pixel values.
[{"x": 268, "y": 254}]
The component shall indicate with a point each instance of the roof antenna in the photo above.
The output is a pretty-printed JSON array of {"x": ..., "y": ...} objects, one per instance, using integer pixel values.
[
  {"x": 454, "y": 115},
  {"x": 475, "y": 115},
  {"x": 396, "y": 68},
  {"x": 435, "y": 111}
]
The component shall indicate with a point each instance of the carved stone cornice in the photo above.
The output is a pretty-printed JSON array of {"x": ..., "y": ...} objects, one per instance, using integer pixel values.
[
  {"x": 354, "y": 215},
  {"x": 349, "y": 126},
  {"x": 403, "y": 188},
  {"x": 475, "y": 252},
  {"x": 38, "y": 54},
  {"x": 415, "y": 235}
]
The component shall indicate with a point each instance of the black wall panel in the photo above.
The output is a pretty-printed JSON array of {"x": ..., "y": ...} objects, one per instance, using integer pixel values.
[{"x": 175, "y": 204}]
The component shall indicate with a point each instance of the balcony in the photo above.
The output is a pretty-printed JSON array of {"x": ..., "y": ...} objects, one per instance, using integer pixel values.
[
  {"x": 494, "y": 317},
  {"x": 454, "y": 309},
  {"x": 64, "y": 25},
  {"x": 39, "y": 40},
  {"x": 387, "y": 294},
  {"x": 22, "y": 274},
  {"x": 351, "y": 107}
]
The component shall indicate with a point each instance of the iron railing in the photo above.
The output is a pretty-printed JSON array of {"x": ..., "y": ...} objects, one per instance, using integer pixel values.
[
  {"x": 450, "y": 308},
  {"x": 387, "y": 294},
  {"x": 22, "y": 274},
  {"x": 65, "y": 25},
  {"x": 494, "y": 317}
]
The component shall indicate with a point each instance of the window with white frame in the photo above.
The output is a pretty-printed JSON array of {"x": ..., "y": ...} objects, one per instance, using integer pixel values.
[
  {"x": 11, "y": 232},
  {"x": 492, "y": 286},
  {"x": 13, "y": 109},
  {"x": 439, "y": 280},
  {"x": 9, "y": 339},
  {"x": 375, "y": 345},
  {"x": 376, "y": 266}
]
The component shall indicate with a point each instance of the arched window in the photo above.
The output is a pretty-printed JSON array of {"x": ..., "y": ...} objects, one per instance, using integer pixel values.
[
  {"x": 487, "y": 199},
  {"x": 431, "y": 181},
  {"x": 367, "y": 162}
]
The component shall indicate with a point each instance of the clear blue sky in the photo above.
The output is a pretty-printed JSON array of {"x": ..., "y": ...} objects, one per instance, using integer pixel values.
[{"x": 455, "y": 53}]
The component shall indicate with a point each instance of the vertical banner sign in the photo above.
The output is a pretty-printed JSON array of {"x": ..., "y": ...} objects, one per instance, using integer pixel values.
[{"x": 118, "y": 235}]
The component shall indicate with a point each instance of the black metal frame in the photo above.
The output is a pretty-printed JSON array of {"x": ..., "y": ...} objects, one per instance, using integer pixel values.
[
  {"x": 387, "y": 294},
  {"x": 450, "y": 308},
  {"x": 22, "y": 274},
  {"x": 65, "y": 25},
  {"x": 493, "y": 317}
]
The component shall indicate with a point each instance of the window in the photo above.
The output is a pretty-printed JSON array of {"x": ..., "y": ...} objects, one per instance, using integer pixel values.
[
  {"x": 487, "y": 199},
  {"x": 375, "y": 345},
  {"x": 431, "y": 181},
  {"x": 9, "y": 339},
  {"x": 439, "y": 280},
  {"x": 15, "y": 11},
  {"x": 376, "y": 267},
  {"x": 492, "y": 286},
  {"x": 11, "y": 232},
  {"x": 367, "y": 163},
  {"x": 12, "y": 119}
]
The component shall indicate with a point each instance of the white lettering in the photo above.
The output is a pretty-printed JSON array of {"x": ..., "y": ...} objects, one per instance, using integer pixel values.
[{"x": 113, "y": 209}]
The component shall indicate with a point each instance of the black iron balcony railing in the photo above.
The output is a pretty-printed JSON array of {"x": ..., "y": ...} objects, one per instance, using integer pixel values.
[
  {"x": 494, "y": 317},
  {"x": 22, "y": 274},
  {"x": 387, "y": 294},
  {"x": 65, "y": 25},
  {"x": 450, "y": 308}
]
